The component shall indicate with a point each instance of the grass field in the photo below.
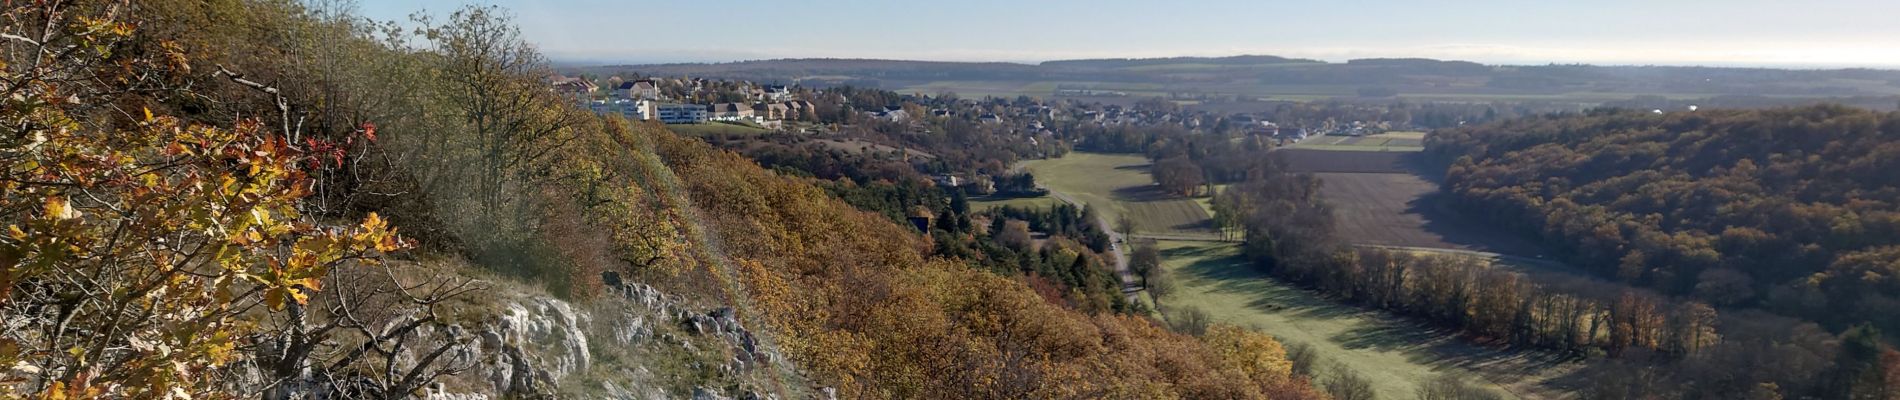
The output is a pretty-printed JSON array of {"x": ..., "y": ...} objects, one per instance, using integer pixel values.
[
  {"x": 985, "y": 203},
  {"x": 716, "y": 128},
  {"x": 1119, "y": 184},
  {"x": 1393, "y": 353},
  {"x": 1381, "y": 142},
  {"x": 1413, "y": 135}
]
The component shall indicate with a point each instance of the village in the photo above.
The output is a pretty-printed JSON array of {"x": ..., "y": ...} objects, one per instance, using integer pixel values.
[{"x": 795, "y": 109}]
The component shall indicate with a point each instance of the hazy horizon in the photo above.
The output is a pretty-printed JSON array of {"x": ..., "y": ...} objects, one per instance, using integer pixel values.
[{"x": 1747, "y": 33}]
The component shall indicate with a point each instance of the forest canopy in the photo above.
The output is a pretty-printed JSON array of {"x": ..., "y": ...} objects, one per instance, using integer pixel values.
[{"x": 1794, "y": 210}]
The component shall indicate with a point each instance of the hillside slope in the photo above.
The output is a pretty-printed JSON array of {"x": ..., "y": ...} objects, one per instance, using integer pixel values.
[{"x": 259, "y": 198}]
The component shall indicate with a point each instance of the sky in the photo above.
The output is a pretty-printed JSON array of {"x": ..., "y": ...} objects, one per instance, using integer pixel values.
[{"x": 1766, "y": 33}]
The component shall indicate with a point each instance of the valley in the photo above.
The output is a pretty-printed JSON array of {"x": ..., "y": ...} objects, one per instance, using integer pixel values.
[{"x": 1210, "y": 275}]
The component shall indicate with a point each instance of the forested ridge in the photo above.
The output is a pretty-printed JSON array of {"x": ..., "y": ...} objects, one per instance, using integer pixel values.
[
  {"x": 249, "y": 198},
  {"x": 1793, "y": 210}
]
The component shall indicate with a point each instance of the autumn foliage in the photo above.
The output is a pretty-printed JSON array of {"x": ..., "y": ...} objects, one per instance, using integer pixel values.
[
  {"x": 139, "y": 267},
  {"x": 856, "y": 303},
  {"x": 1791, "y": 210},
  {"x": 165, "y": 239},
  {"x": 139, "y": 247}
]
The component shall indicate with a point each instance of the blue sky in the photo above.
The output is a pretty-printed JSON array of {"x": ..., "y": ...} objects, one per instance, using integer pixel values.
[{"x": 1815, "y": 33}]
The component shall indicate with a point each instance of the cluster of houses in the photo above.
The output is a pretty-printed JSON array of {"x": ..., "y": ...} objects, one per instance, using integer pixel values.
[
  {"x": 700, "y": 100},
  {"x": 760, "y": 111},
  {"x": 647, "y": 100}
]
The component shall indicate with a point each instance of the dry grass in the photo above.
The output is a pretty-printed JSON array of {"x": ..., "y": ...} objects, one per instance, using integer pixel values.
[{"x": 1400, "y": 210}]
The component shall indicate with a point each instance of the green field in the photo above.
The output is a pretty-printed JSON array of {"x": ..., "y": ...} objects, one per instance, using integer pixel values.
[
  {"x": 1119, "y": 184},
  {"x": 716, "y": 128},
  {"x": 1396, "y": 141},
  {"x": 1413, "y": 135},
  {"x": 985, "y": 203},
  {"x": 1396, "y": 355}
]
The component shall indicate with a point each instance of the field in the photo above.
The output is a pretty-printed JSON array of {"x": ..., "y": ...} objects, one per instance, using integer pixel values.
[
  {"x": 1119, "y": 184},
  {"x": 1413, "y": 135},
  {"x": 1393, "y": 353},
  {"x": 1315, "y": 160},
  {"x": 716, "y": 128},
  {"x": 1012, "y": 89},
  {"x": 1391, "y": 209},
  {"x": 1386, "y": 142},
  {"x": 985, "y": 203}
]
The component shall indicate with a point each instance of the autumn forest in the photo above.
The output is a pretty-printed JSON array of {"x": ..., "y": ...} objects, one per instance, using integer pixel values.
[{"x": 287, "y": 199}]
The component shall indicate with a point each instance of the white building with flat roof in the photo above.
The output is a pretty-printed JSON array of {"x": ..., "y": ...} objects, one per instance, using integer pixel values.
[
  {"x": 629, "y": 109},
  {"x": 675, "y": 113}
]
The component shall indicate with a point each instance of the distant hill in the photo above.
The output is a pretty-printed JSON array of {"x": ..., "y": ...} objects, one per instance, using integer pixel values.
[
  {"x": 1251, "y": 77},
  {"x": 823, "y": 64},
  {"x": 789, "y": 70},
  {"x": 1110, "y": 63}
]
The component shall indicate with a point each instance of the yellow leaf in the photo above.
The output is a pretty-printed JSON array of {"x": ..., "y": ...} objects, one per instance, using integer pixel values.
[
  {"x": 297, "y": 295},
  {"x": 56, "y": 391},
  {"x": 148, "y": 114},
  {"x": 374, "y": 222},
  {"x": 58, "y": 208}
]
